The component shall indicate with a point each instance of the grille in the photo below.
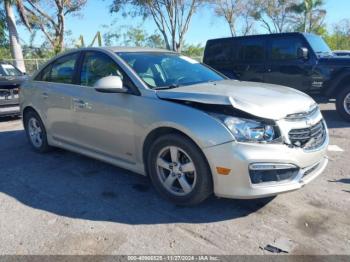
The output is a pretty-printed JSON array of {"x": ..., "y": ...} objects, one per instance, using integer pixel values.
[
  {"x": 308, "y": 138},
  {"x": 9, "y": 92},
  {"x": 309, "y": 171}
]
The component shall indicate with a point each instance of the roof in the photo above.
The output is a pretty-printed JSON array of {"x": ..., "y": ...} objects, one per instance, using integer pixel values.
[
  {"x": 262, "y": 35},
  {"x": 134, "y": 49}
]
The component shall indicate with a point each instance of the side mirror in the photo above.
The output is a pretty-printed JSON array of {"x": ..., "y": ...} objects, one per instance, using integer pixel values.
[
  {"x": 303, "y": 53},
  {"x": 110, "y": 84}
]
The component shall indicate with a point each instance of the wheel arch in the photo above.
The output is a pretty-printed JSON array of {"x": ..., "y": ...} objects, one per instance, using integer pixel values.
[
  {"x": 158, "y": 132},
  {"x": 340, "y": 81},
  {"x": 28, "y": 109}
]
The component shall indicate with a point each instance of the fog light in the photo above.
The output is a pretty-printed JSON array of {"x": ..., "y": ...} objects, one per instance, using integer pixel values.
[{"x": 270, "y": 172}]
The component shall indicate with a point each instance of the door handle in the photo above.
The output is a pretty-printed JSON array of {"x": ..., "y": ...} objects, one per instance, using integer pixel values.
[
  {"x": 79, "y": 103},
  {"x": 45, "y": 95}
]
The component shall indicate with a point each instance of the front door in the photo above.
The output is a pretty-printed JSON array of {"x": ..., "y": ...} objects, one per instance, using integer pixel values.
[{"x": 104, "y": 120}]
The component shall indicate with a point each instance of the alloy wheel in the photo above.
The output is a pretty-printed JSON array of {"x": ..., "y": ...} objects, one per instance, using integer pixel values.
[
  {"x": 35, "y": 132},
  {"x": 176, "y": 170},
  {"x": 347, "y": 103}
]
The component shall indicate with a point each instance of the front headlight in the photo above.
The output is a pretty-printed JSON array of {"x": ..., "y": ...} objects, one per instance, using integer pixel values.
[{"x": 246, "y": 130}]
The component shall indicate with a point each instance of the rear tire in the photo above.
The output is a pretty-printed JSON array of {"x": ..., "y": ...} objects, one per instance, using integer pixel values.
[
  {"x": 343, "y": 103},
  {"x": 36, "y": 132},
  {"x": 178, "y": 170}
]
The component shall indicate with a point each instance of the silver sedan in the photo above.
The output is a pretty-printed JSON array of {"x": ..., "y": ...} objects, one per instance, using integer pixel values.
[{"x": 187, "y": 127}]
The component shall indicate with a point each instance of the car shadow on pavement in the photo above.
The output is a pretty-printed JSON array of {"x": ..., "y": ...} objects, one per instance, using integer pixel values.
[{"x": 75, "y": 186}]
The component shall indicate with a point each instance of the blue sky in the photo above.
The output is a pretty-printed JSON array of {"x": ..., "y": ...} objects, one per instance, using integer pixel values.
[{"x": 203, "y": 26}]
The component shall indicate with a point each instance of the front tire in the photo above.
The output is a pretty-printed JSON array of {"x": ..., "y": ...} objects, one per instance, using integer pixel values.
[
  {"x": 36, "y": 132},
  {"x": 179, "y": 170},
  {"x": 343, "y": 103}
]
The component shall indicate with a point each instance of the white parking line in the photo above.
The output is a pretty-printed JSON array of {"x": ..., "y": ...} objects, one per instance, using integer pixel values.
[{"x": 335, "y": 148}]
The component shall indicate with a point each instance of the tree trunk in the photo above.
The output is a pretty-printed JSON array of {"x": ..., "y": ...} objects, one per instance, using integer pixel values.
[
  {"x": 305, "y": 22},
  {"x": 15, "y": 46}
]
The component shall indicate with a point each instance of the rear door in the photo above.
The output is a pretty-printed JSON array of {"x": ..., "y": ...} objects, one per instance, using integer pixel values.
[
  {"x": 56, "y": 88},
  {"x": 250, "y": 62},
  {"x": 283, "y": 65}
]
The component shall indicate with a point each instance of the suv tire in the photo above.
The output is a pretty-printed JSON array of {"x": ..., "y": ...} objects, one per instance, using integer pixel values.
[
  {"x": 178, "y": 170},
  {"x": 341, "y": 103}
]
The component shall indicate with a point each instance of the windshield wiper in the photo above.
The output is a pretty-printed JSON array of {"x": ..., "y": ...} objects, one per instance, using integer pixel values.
[{"x": 167, "y": 87}]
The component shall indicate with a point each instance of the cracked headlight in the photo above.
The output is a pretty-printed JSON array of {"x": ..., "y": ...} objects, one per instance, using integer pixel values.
[{"x": 246, "y": 130}]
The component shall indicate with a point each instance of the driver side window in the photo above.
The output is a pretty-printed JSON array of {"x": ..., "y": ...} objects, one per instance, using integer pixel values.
[{"x": 97, "y": 65}]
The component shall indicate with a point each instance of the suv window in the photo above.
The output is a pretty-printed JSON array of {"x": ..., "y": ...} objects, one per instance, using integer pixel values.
[
  {"x": 219, "y": 51},
  {"x": 59, "y": 71},
  {"x": 97, "y": 65},
  {"x": 252, "y": 50},
  {"x": 285, "y": 48}
]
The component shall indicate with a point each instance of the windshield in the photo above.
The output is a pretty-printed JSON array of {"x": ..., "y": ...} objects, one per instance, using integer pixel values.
[
  {"x": 168, "y": 70},
  {"x": 318, "y": 45},
  {"x": 9, "y": 70}
]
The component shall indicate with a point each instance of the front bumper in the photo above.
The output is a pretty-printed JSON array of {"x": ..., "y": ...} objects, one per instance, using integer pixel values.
[
  {"x": 239, "y": 156},
  {"x": 9, "y": 102}
]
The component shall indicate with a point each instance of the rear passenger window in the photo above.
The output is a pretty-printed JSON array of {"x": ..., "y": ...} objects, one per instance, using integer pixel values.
[
  {"x": 285, "y": 49},
  {"x": 252, "y": 50},
  {"x": 59, "y": 71}
]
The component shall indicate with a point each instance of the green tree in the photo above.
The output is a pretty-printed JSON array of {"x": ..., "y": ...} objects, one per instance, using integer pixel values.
[
  {"x": 3, "y": 29},
  {"x": 309, "y": 16},
  {"x": 4, "y": 43},
  {"x": 133, "y": 36},
  {"x": 172, "y": 17},
  {"x": 48, "y": 16},
  {"x": 274, "y": 15},
  {"x": 195, "y": 51},
  {"x": 236, "y": 12},
  {"x": 339, "y": 38},
  {"x": 15, "y": 45}
]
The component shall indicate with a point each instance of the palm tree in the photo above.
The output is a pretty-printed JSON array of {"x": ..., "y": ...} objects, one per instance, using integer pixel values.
[
  {"x": 312, "y": 14},
  {"x": 15, "y": 46}
]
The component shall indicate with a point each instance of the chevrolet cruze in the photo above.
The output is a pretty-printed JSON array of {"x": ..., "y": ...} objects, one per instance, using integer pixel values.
[{"x": 186, "y": 126}]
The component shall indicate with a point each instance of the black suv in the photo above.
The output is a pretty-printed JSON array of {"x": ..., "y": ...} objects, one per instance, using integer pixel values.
[
  {"x": 10, "y": 80},
  {"x": 301, "y": 61}
]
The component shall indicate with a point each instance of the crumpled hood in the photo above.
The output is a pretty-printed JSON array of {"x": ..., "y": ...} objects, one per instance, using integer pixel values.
[{"x": 262, "y": 100}]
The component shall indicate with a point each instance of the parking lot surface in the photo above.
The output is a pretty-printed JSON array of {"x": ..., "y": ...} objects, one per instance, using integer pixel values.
[{"x": 65, "y": 203}]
